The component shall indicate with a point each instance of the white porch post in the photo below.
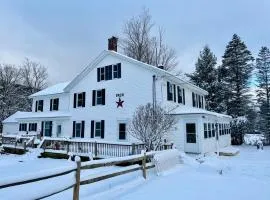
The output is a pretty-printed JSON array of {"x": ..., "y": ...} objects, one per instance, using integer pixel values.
[{"x": 217, "y": 138}]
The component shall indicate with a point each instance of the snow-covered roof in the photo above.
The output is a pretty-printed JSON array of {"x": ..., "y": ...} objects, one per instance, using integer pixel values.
[
  {"x": 129, "y": 59},
  {"x": 35, "y": 115},
  {"x": 54, "y": 89},
  {"x": 12, "y": 118},
  {"x": 185, "y": 110}
]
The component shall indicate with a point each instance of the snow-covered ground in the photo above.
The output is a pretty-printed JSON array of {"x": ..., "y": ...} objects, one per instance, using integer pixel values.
[{"x": 244, "y": 176}]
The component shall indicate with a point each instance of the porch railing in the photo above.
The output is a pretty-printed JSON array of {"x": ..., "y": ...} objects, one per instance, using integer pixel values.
[{"x": 95, "y": 148}]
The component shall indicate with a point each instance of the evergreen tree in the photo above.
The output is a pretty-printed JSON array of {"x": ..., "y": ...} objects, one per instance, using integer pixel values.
[
  {"x": 263, "y": 92},
  {"x": 235, "y": 73},
  {"x": 205, "y": 76}
]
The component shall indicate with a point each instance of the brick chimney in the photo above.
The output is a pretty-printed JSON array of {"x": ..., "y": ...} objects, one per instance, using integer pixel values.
[{"x": 112, "y": 43}]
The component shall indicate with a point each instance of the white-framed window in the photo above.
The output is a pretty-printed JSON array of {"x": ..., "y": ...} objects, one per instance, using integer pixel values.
[
  {"x": 98, "y": 97},
  {"x": 97, "y": 129},
  {"x": 39, "y": 106},
  {"x": 23, "y": 127},
  {"x": 109, "y": 72},
  {"x": 54, "y": 104},
  {"x": 32, "y": 127}
]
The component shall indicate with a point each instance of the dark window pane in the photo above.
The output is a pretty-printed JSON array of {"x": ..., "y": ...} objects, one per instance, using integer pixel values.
[
  {"x": 209, "y": 130},
  {"x": 122, "y": 131},
  {"x": 191, "y": 133},
  {"x": 99, "y": 97},
  {"x": 205, "y": 130},
  {"x": 190, "y": 128}
]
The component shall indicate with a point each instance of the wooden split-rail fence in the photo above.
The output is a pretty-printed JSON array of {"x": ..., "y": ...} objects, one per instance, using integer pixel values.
[{"x": 142, "y": 161}]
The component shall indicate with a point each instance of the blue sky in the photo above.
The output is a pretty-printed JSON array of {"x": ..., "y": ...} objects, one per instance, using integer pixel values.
[{"x": 66, "y": 35}]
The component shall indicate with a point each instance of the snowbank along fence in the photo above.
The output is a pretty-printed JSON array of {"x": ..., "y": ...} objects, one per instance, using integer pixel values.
[
  {"x": 141, "y": 160},
  {"x": 98, "y": 149}
]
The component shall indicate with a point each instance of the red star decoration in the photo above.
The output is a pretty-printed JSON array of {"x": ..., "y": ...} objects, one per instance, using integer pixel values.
[{"x": 119, "y": 103}]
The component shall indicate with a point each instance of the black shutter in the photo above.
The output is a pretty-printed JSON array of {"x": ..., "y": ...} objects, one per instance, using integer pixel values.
[
  {"x": 42, "y": 128},
  {"x": 36, "y": 107},
  {"x": 168, "y": 91},
  {"x": 103, "y": 96},
  {"x": 119, "y": 70},
  {"x": 174, "y": 92},
  {"x": 41, "y": 105},
  {"x": 74, "y": 100},
  {"x": 92, "y": 128},
  {"x": 82, "y": 133},
  {"x": 102, "y": 128},
  {"x": 20, "y": 127},
  {"x": 83, "y": 103},
  {"x": 35, "y": 126},
  {"x": 184, "y": 98},
  {"x": 109, "y": 72},
  {"x": 51, "y": 101},
  {"x": 93, "y": 97},
  {"x": 98, "y": 74},
  {"x": 29, "y": 126},
  {"x": 73, "y": 131}
]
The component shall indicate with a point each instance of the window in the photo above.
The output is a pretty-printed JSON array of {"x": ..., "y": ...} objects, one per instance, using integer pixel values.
[
  {"x": 78, "y": 129},
  {"x": 191, "y": 132},
  {"x": 48, "y": 128},
  {"x": 23, "y": 127},
  {"x": 169, "y": 91},
  {"x": 219, "y": 127},
  {"x": 79, "y": 100},
  {"x": 179, "y": 95},
  {"x": 122, "y": 131},
  {"x": 32, "y": 127},
  {"x": 209, "y": 130},
  {"x": 97, "y": 129},
  {"x": 197, "y": 100},
  {"x": 117, "y": 70},
  {"x": 213, "y": 130},
  {"x": 205, "y": 130},
  {"x": 58, "y": 130},
  {"x": 54, "y": 104},
  {"x": 39, "y": 106},
  {"x": 98, "y": 97},
  {"x": 109, "y": 72}
]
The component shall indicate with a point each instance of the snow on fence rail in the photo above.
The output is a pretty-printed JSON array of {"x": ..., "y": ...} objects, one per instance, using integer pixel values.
[
  {"x": 94, "y": 147},
  {"x": 17, "y": 141},
  {"x": 139, "y": 160}
]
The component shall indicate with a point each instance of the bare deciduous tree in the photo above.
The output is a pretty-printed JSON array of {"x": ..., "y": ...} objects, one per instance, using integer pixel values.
[
  {"x": 150, "y": 125},
  {"x": 140, "y": 44},
  {"x": 34, "y": 75}
]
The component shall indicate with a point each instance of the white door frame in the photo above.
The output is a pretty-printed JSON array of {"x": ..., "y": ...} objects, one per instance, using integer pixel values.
[{"x": 192, "y": 147}]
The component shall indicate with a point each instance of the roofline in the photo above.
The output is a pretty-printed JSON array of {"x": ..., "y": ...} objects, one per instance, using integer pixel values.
[
  {"x": 221, "y": 115},
  {"x": 31, "y": 97},
  {"x": 104, "y": 53}
]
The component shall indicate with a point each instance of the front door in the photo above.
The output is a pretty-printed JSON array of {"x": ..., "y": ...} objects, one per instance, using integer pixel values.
[
  {"x": 191, "y": 143},
  {"x": 48, "y": 128}
]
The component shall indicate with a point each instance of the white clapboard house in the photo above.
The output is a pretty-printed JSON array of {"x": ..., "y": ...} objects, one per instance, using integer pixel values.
[{"x": 100, "y": 101}]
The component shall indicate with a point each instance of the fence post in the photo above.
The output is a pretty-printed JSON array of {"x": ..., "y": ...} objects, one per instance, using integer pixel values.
[
  {"x": 133, "y": 149},
  {"x": 76, "y": 189},
  {"x": 95, "y": 148},
  {"x": 144, "y": 165}
]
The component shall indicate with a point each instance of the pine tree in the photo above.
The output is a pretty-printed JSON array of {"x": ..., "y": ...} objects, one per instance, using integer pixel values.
[
  {"x": 205, "y": 76},
  {"x": 263, "y": 92},
  {"x": 235, "y": 73}
]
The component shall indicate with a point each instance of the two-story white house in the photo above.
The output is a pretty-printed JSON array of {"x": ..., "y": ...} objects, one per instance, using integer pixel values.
[{"x": 100, "y": 101}]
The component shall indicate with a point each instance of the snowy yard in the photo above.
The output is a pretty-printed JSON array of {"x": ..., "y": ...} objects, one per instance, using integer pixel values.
[{"x": 245, "y": 176}]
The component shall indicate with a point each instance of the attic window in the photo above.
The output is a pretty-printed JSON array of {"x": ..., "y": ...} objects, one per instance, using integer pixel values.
[{"x": 109, "y": 72}]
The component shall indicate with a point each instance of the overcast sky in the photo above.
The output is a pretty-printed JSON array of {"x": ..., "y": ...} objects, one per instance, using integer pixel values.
[{"x": 66, "y": 35}]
